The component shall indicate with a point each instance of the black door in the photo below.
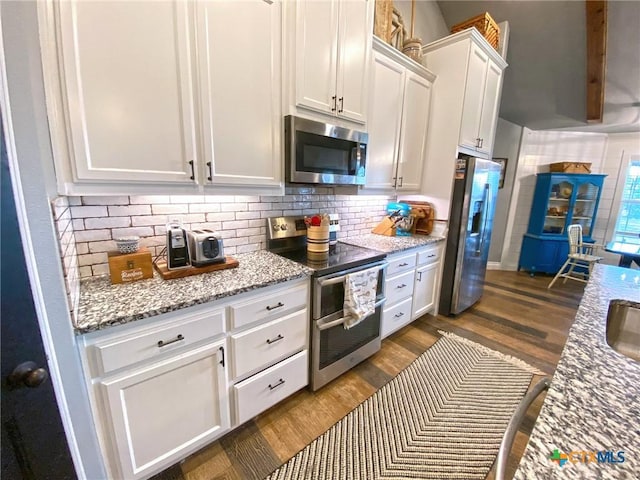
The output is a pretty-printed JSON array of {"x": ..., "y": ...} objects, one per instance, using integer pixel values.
[{"x": 34, "y": 445}]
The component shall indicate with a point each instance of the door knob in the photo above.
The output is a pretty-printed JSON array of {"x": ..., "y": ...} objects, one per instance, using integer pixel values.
[{"x": 27, "y": 374}]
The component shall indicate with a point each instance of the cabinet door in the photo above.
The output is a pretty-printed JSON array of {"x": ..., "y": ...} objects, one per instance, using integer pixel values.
[
  {"x": 583, "y": 210},
  {"x": 240, "y": 91},
  {"x": 413, "y": 136},
  {"x": 353, "y": 59},
  {"x": 316, "y": 54},
  {"x": 424, "y": 291},
  {"x": 129, "y": 90},
  {"x": 473, "y": 97},
  {"x": 385, "y": 116},
  {"x": 489, "y": 107},
  {"x": 161, "y": 412}
]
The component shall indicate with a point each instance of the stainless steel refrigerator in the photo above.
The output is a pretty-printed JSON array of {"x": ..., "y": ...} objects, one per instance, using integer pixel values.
[{"x": 475, "y": 190}]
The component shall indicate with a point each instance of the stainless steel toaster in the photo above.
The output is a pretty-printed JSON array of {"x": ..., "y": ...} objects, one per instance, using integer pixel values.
[{"x": 205, "y": 247}]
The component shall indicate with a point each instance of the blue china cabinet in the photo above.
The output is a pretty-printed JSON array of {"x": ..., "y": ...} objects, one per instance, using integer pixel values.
[{"x": 559, "y": 200}]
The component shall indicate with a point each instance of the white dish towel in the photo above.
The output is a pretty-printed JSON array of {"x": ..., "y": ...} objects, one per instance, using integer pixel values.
[{"x": 359, "y": 295}]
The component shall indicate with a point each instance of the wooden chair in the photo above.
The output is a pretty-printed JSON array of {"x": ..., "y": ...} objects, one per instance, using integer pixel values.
[{"x": 580, "y": 255}]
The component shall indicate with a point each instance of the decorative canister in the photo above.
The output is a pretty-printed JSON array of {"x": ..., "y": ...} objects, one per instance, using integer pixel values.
[
  {"x": 412, "y": 48},
  {"x": 318, "y": 239}
]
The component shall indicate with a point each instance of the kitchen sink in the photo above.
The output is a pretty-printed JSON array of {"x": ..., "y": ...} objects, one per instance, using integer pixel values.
[{"x": 623, "y": 329}]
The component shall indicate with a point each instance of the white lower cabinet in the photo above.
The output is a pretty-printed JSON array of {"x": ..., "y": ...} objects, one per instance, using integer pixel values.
[
  {"x": 161, "y": 411},
  {"x": 265, "y": 389},
  {"x": 161, "y": 388},
  {"x": 411, "y": 287}
]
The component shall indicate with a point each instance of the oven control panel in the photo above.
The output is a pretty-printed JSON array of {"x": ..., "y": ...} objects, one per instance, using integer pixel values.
[{"x": 294, "y": 226}]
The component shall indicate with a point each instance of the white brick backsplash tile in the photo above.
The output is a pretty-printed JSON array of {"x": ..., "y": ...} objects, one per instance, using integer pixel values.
[
  {"x": 84, "y": 212},
  {"x": 147, "y": 220},
  {"x": 273, "y": 198},
  {"x": 247, "y": 248},
  {"x": 187, "y": 199},
  {"x": 75, "y": 201},
  {"x": 194, "y": 218},
  {"x": 252, "y": 231},
  {"x": 130, "y": 210},
  {"x": 247, "y": 215},
  {"x": 101, "y": 269},
  {"x": 106, "y": 222},
  {"x": 257, "y": 223},
  {"x": 91, "y": 259},
  {"x": 247, "y": 199},
  {"x": 127, "y": 232},
  {"x": 259, "y": 206},
  {"x": 235, "y": 241},
  {"x": 78, "y": 224},
  {"x": 233, "y": 224},
  {"x": 220, "y": 199},
  {"x": 230, "y": 250},
  {"x": 92, "y": 235},
  {"x": 154, "y": 241},
  {"x": 234, "y": 207},
  {"x": 222, "y": 216},
  {"x": 160, "y": 230},
  {"x": 282, "y": 206},
  {"x": 257, "y": 238},
  {"x": 289, "y": 213},
  {"x": 170, "y": 209},
  {"x": 270, "y": 213},
  {"x": 106, "y": 200},
  {"x": 207, "y": 225},
  {"x": 82, "y": 247},
  {"x": 204, "y": 207},
  {"x": 85, "y": 272},
  {"x": 301, "y": 205},
  {"x": 103, "y": 246},
  {"x": 60, "y": 201},
  {"x": 149, "y": 199},
  {"x": 226, "y": 233}
]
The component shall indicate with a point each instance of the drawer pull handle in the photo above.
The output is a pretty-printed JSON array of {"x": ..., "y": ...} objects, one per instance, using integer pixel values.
[
  {"x": 221, "y": 362},
  {"x": 273, "y": 387},
  {"x": 398, "y": 315},
  {"x": 277, "y": 339},
  {"x": 164, "y": 344},
  {"x": 280, "y": 304},
  {"x": 432, "y": 255},
  {"x": 403, "y": 264},
  {"x": 401, "y": 286}
]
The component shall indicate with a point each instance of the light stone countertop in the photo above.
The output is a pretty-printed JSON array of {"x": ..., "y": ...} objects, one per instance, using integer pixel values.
[
  {"x": 103, "y": 304},
  {"x": 389, "y": 245},
  {"x": 593, "y": 404}
]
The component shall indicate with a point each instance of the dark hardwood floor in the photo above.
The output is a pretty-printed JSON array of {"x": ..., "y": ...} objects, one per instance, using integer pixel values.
[{"x": 517, "y": 316}]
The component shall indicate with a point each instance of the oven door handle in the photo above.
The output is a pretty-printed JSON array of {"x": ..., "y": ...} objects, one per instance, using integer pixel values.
[
  {"x": 340, "y": 277},
  {"x": 325, "y": 326}
]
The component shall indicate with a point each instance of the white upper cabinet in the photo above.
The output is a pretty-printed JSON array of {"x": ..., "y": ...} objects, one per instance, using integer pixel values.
[
  {"x": 332, "y": 51},
  {"x": 126, "y": 74},
  {"x": 399, "y": 111},
  {"x": 480, "y": 109},
  {"x": 164, "y": 97},
  {"x": 240, "y": 85}
]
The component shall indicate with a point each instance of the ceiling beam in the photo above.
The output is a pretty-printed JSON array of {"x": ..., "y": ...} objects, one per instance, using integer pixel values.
[{"x": 596, "y": 58}]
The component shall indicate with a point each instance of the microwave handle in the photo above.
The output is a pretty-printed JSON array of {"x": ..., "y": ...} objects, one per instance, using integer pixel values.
[
  {"x": 357, "y": 152},
  {"x": 325, "y": 326}
]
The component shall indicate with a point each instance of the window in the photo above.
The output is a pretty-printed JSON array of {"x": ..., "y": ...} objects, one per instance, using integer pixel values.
[{"x": 628, "y": 223}]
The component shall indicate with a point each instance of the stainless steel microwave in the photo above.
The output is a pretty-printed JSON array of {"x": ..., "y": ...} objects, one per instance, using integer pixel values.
[{"x": 319, "y": 153}]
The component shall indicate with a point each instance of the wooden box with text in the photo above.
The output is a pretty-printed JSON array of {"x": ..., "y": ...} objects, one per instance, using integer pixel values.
[{"x": 130, "y": 267}]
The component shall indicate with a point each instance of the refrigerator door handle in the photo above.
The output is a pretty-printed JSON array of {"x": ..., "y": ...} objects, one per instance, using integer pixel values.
[{"x": 486, "y": 210}]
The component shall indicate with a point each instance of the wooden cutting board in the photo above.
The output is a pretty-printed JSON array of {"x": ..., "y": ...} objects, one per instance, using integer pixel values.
[{"x": 166, "y": 274}]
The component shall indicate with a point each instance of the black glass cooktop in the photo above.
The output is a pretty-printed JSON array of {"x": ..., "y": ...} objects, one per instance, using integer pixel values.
[{"x": 341, "y": 256}]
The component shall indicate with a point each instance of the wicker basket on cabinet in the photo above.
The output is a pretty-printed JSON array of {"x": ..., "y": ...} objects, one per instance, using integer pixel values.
[{"x": 486, "y": 25}]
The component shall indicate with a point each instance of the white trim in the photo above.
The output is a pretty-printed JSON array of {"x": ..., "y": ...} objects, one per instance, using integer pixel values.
[
  {"x": 31, "y": 264},
  {"x": 494, "y": 266}
]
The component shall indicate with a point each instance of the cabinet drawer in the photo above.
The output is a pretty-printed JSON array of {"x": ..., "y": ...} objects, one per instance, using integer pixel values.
[
  {"x": 401, "y": 264},
  {"x": 265, "y": 389},
  {"x": 117, "y": 352},
  {"x": 399, "y": 287},
  {"x": 267, "y": 306},
  {"x": 428, "y": 256},
  {"x": 260, "y": 346},
  {"x": 395, "y": 317}
]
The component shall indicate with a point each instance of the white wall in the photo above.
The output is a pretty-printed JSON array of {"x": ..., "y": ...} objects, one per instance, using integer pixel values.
[
  {"x": 506, "y": 145},
  {"x": 429, "y": 23},
  {"x": 538, "y": 149}
]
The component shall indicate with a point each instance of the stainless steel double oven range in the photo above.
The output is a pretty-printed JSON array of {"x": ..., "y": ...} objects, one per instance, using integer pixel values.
[{"x": 334, "y": 349}]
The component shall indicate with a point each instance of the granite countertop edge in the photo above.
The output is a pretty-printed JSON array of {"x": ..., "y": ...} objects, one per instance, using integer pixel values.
[
  {"x": 592, "y": 402},
  {"x": 98, "y": 297},
  {"x": 392, "y": 244}
]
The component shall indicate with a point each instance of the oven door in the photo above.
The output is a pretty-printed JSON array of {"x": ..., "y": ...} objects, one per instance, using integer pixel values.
[
  {"x": 336, "y": 350},
  {"x": 322, "y": 153},
  {"x": 328, "y": 291}
]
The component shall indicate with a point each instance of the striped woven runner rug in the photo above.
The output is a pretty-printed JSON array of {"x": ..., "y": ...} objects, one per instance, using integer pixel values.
[{"x": 443, "y": 417}]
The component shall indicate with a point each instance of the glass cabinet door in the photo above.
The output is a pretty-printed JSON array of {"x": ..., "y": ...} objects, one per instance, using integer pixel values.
[
  {"x": 584, "y": 206},
  {"x": 558, "y": 206}
]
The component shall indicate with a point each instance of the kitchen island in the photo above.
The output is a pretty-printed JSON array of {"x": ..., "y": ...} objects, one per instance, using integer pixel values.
[
  {"x": 102, "y": 304},
  {"x": 592, "y": 404}
]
